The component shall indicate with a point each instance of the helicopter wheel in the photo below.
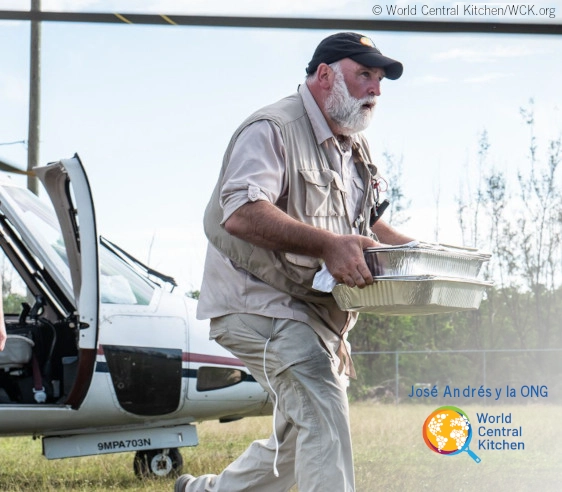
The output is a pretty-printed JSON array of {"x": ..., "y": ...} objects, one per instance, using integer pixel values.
[{"x": 158, "y": 463}]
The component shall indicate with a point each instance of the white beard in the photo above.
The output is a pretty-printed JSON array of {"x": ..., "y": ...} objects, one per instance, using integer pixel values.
[{"x": 345, "y": 110}]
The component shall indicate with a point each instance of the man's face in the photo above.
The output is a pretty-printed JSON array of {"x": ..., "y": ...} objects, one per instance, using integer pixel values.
[{"x": 351, "y": 101}]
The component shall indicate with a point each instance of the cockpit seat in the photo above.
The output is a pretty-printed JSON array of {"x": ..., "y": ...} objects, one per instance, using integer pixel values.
[{"x": 17, "y": 352}]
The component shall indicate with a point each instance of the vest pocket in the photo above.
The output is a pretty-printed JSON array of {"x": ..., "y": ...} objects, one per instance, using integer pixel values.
[{"x": 324, "y": 193}]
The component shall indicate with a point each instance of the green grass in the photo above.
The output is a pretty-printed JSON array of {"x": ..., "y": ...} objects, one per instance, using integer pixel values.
[{"x": 390, "y": 455}]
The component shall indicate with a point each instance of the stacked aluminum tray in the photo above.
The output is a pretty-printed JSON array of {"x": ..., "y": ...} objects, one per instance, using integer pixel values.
[
  {"x": 425, "y": 260},
  {"x": 428, "y": 279}
]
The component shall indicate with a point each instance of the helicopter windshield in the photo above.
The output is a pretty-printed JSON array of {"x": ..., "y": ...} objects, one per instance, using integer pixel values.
[{"x": 120, "y": 283}]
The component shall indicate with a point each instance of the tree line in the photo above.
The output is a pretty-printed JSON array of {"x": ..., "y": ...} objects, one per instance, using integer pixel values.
[{"x": 520, "y": 223}]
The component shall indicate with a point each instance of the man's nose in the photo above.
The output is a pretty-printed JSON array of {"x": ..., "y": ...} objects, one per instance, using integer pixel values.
[{"x": 375, "y": 89}]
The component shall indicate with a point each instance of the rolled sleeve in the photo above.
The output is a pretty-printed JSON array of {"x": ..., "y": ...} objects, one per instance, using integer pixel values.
[{"x": 256, "y": 170}]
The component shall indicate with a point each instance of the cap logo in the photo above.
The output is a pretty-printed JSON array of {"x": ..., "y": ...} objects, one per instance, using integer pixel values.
[{"x": 367, "y": 42}]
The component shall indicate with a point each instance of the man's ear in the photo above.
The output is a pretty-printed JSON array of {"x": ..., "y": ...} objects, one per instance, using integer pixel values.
[{"x": 325, "y": 76}]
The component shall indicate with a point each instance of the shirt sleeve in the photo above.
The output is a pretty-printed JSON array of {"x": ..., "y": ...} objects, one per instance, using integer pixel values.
[{"x": 256, "y": 170}]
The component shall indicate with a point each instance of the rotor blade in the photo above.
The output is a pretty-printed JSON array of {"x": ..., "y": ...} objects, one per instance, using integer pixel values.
[
  {"x": 10, "y": 168},
  {"x": 288, "y": 22}
]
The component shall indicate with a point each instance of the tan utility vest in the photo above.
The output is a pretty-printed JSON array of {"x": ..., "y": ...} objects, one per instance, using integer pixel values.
[{"x": 316, "y": 196}]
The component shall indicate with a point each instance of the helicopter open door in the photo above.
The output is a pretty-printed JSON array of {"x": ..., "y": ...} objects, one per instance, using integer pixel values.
[
  {"x": 68, "y": 188},
  {"x": 54, "y": 251}
]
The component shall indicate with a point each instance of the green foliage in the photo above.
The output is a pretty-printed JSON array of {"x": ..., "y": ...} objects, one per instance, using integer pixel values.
[
  {"x": 12, "y": 302},
  {"x": 522, "y": 228},
  {"x": 194, "y": 294},
  {"x": 505, "y": 320}
]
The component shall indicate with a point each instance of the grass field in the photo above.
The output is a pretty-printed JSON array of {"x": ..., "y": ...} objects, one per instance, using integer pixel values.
[{"x": 390, "y": 455}]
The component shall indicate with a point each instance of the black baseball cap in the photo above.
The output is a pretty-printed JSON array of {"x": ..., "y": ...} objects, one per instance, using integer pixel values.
[{"x": 359, "y": 48}]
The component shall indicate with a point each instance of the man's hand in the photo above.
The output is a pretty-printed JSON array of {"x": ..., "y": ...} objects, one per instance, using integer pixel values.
[{"x": 345, "y": 261}]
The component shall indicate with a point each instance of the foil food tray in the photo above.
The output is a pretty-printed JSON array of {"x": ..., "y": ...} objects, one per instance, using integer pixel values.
[
  {"x": 429, "y": 260},
  {"x": 412, "y": 295}
]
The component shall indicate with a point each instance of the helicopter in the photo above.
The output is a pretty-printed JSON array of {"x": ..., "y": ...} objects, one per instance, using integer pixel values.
[{"x": 105, "y": 354}]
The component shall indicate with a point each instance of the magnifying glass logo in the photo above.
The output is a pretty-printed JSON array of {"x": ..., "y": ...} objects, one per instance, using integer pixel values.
[{"x": 447, "y": 431}]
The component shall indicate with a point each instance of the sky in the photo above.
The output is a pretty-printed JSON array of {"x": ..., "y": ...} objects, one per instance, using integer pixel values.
[{"x": 150, "y": 109}]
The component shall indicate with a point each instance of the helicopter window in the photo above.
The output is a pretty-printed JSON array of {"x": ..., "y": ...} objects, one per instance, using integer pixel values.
[
  {"x": 14, "y": 291},
  {"x": 40, "y": 218},
  {"x": 120, "y": 283},
  {"x": 213, "y": 378}
]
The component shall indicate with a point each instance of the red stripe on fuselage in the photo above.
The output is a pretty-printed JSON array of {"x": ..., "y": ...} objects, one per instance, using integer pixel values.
[{"x": 211, "y": 359}]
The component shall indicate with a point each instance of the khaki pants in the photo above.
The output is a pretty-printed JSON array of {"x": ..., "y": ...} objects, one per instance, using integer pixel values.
[{"x": 312, "y": 419}]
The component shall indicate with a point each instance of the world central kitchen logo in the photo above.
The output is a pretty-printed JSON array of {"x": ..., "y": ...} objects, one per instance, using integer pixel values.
[{"x": 448, "y": 431}]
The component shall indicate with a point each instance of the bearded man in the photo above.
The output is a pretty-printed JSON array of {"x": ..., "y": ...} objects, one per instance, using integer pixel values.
[{"x": 296, "y": 192}]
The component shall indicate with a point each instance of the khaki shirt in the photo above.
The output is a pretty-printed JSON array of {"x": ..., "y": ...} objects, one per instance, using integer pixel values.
[{"x": 256, "y": 171}]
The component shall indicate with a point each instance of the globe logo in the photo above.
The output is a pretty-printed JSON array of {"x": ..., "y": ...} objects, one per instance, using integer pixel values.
[{"x": 447, "y": 431}]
